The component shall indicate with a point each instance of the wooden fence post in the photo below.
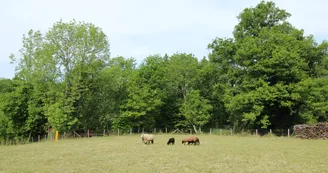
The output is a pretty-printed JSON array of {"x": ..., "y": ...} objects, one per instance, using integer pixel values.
[
  {"x": 270, "y": 131},
  {"x": 56, "y": 137},
  {"x": 256, "y": 132},
  {"x": 282, "y": 132},
  {"x": 104, "y": 132},
  {"x": 210, "y": 131},
  {"x": 165, "y": 130},
  {"x": 154, "y": 130},
  {"x": 39, "y": 138},
  {"x": 130, "y": 131},
  {"x": 288, "y": 133},
  {"x": 88, "y": 133}
]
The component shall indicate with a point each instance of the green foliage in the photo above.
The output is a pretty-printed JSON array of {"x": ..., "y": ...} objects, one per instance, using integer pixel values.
[
  {"x": 252, "y": 20},
  {"x": 112, "y": 90},
  {"x": 265, "y": 66},
  {"x": 59, "y": 70},
  {"x": 144, "y": 94},
  {"x": 182, "y": 71},
  {"x": 6, "y": 127},
  {"x": 269, "y": 75},
  {"x": 195, "y": 109}
]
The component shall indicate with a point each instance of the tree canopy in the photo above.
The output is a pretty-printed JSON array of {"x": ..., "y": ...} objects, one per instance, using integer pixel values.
[{"x": 269, "y": 75}]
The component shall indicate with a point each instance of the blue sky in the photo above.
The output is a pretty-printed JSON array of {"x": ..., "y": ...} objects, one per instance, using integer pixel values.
[{"x": 144, "y": 27}]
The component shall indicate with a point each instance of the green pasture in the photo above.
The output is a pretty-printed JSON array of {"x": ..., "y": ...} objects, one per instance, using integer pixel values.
[{"x": 215, "y": 153}]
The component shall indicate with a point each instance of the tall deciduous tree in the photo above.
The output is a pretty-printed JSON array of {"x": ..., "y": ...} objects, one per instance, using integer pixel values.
[
  {"x": 62, "y": 66},
  {"x": 113, "y": 90},
  {"x": 265, "y": 65},
  {"x": 195, "y": 109},
  {"x": 144, "y": 96},
  {"x": 182, "y": 76}
]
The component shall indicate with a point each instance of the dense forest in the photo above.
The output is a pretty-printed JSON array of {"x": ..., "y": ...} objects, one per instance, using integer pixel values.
[{"x": 269, "y": 75}]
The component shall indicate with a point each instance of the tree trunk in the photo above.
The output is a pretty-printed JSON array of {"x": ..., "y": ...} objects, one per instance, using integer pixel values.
[
  {"x": 29, "y": 136},
  {"x": 195, "y": 129}
]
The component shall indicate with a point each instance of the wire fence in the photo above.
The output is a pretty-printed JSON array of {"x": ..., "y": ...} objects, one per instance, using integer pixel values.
[{"x": 51, "y": 135}]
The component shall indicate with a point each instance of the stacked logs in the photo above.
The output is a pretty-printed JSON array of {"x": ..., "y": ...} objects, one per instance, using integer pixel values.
[{"x": 317, "y": 131}]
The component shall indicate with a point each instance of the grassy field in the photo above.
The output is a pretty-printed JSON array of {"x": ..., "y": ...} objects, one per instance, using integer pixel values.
[{"x": 128, "y": 154}]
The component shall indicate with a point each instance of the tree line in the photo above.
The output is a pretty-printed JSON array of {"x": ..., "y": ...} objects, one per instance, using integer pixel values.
[{"x": 269, "y": 75}]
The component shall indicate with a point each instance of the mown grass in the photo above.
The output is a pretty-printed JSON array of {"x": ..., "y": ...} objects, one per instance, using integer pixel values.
[{"x": 129, "y": 154}]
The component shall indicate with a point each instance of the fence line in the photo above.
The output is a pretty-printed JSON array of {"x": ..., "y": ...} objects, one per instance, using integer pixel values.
[{"x": 50, "y": 136}]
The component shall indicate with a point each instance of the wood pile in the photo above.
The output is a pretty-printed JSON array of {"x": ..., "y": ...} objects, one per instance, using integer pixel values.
[{"x": 317, "y": 131}]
